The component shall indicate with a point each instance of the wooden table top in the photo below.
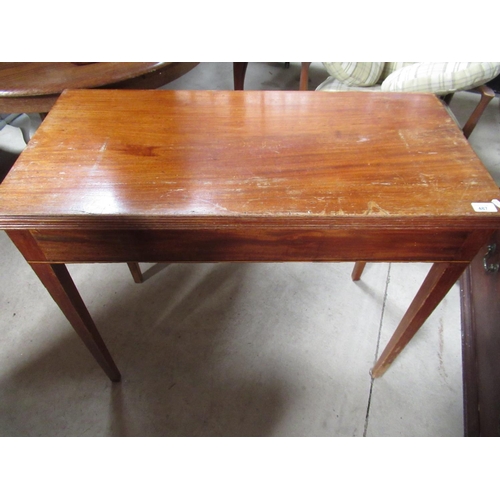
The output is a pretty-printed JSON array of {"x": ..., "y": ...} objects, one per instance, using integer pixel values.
[
  {"x": 35, "y": 87},
  {"x": 106, "y": 159},
  {"x": 46, "y": 78}
]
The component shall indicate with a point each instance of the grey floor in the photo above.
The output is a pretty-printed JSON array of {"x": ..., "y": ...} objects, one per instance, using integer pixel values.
[{"x": 233, "y": 349}]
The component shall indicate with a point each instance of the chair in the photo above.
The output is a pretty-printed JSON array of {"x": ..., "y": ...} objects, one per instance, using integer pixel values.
[{"x": 441, "y": 79}]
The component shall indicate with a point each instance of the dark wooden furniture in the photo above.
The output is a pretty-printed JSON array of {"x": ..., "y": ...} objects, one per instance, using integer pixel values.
[
  {"x": 480, "y": 295},
  {"x": 239, "y": 72},
  {"x": 247, "y": 176},
  {"x": 240, "y": 69},
  {"x": 35, "y": 87}
]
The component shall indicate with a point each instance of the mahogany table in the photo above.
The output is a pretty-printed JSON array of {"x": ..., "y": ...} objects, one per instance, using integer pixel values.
[
  {"x": 201, "y": 176},
  {"x": 34, "y": 87}
]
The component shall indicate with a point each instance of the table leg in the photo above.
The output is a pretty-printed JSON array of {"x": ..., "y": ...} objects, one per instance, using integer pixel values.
[
  {"x": 304, "y": 76},
  {"x": 439, "y": 280},
  {"x": 61, "y": 287},
  {"x": 135, "y": 270},
  {"x": 358, "y": 271},
  {"x": 239, "y": 70}
]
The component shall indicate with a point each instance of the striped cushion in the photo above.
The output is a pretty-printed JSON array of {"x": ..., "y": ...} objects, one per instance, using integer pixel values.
[
  {"x": 333, "y": 85},
  {"x": 440, "y": 78},
  {"x": 390, "y": 67},
  {"x": 361, "y": 74}
]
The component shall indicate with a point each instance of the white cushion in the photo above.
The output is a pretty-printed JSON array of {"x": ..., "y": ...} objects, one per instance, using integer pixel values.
[
  {"x": 390, "y": 67},
  {"x": 440, "y": 78},
  {"x": 333, "y": 85},
  {"x": 361, "y": 74}
]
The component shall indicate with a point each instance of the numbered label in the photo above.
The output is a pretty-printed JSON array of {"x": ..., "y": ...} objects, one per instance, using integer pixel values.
[{"x": 484, "y": 207}]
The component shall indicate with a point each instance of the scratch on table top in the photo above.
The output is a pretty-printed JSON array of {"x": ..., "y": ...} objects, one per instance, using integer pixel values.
[
  {"x": 403, "y": 138},
  {"x": 213, "y": 204},
  {"x": 426, "y": 179},
  {"x": 374, "y": 208},
  {"x": 100, "y": 154}
]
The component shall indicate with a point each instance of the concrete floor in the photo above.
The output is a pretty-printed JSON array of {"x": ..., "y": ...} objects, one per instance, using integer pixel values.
[{"x": 233, "y": 349}]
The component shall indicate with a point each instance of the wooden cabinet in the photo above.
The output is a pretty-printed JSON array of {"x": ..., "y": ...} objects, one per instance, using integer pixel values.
[{"x": 480, "y": 293}]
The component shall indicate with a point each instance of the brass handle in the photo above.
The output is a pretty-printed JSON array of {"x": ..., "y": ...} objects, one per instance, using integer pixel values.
[{"x": 490, "y": 268}]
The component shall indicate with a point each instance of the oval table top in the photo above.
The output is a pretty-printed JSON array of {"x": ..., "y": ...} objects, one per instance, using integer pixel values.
[{"x": 33, "y": 87}]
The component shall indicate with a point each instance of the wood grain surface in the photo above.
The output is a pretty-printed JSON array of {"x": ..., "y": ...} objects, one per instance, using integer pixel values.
[
  {"x": 135, "y": 176},
  {"x": 140, "y": 159},
  {"x": 45, "y": 78},
  {"x": 35, "y": 87}
]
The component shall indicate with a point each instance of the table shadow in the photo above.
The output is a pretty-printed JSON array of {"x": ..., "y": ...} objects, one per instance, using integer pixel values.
[{"x": 174, "y": 379}]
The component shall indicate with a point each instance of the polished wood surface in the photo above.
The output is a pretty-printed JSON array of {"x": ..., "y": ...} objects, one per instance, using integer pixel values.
[
  {"x": 247, "y": 176},
  {"x": 35, "y": 87},
  {"x": 271, "y": 158},
  {"x": 45, "y": 78}
]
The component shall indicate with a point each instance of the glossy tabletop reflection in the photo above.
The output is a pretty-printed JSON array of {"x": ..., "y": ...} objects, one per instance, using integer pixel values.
[{"x": 133, "y": 157}]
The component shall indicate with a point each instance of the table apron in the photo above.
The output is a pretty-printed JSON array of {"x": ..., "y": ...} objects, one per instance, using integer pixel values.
[{"x": 249, "y": 245}]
